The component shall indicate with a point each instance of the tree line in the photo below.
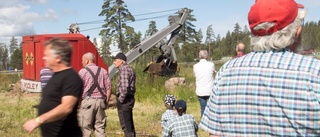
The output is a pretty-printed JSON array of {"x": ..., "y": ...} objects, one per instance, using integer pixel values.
[
  {"x": 11, "y": 55},
  {"x": 116, "y": 32}
]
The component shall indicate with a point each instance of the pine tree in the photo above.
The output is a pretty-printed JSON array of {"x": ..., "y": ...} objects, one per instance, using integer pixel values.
[
  {"x": 4, "y": 57},
  {"x": 16, "y": 58},
  {"x": 95, "y": 43},
  {"x": 153, "y": 52},
  {"x": 188, "y": 30},
  {"x": 104, "y": 50},
  {"x": 210, "y": 39},
  {"x": 13, "y": 45},
  {"x": 210, "y": 35},
  {"x": 117, "y": 15}
]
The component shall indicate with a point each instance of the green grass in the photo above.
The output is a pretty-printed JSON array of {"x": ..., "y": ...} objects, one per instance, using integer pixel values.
[
  {"x": 17, "y": 107},
  {"x": 7, "y": 79}
]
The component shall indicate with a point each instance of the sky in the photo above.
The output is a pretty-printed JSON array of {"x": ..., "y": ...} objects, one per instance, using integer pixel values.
[{"x": 29, "y": 17}]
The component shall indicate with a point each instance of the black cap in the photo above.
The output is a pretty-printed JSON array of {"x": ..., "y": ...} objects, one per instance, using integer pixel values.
[
  {"x": 120, "y": 56},
  {"x": 181, "y": 104}
]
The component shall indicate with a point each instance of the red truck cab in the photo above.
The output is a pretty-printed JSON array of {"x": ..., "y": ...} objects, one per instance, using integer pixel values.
[{"x": 32, "y": 53}]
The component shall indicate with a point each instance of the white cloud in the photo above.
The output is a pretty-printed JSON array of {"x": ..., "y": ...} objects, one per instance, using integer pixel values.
[
  {"x": 38, "y": 1},
  {"x": 16, "y": 20},
  {"x": 69, "y": 12}
]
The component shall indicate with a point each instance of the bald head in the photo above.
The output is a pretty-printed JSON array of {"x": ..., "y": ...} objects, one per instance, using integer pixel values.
[
  {"x": 240, "y": 47},
  {"x": 88, "y": 58}
]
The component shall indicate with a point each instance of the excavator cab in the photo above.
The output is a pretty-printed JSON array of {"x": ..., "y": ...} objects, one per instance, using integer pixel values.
[
  {"x": 163, "y": 66},
  {"x": 169, "y": 68}
]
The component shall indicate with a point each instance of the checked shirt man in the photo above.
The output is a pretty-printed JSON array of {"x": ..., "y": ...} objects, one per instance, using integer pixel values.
[
  {"x": 272, "y": 91},
  {"x": 95, "y": 97},
  {"x": 125, "y": 94}
]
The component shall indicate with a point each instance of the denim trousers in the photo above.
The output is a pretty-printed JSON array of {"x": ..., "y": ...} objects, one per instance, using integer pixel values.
[{"x": 203, "y": 103}]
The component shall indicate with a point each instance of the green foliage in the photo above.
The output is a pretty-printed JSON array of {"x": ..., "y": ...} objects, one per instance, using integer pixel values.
[
  {"x": 4, "y": 57},
  {"x": 116, "y": 14},
  {"x": 152, "y": 29},
  {"x": 210, "y": 35},
  {"x": 216, "y": 54},
  {"x": 13, "y": 44},
  {"x": 14, "y": 111},
  {"x": 104, "y": 50},
  {"x": 311, "y": 35},
  {"x": 16, "y": 59},
  {"x": 132, "y": 38},
  {"x": 189, "y": 32},
  {"x": 7, "y": 79}
]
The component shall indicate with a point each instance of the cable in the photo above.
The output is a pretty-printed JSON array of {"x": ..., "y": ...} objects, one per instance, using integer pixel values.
[
  {"x": 155, "y": 12},
  {"x": 161, "y": 16},
  {"x": 101, "y": 21},
  {"x": 90, "y": 29},
  {"x": 91, "y": 22}
]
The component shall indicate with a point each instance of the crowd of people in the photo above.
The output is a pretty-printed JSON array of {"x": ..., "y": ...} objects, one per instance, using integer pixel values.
[
  {"x": 271, "y": 91},
  {"x": 73, "y": 103}
]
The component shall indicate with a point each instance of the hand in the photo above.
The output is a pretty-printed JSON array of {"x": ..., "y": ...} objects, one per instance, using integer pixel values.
[
  {"x": 106, "y": 103},
  {"x": 30, "y": 125},
  {"x": 121, "y": 101}
]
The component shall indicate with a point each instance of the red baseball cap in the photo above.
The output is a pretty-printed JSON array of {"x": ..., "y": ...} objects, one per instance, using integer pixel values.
[{"x": 280, "y": 12}]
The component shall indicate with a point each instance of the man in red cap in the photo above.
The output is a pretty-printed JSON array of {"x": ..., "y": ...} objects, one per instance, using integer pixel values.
[{"x": 272, "y": 91}]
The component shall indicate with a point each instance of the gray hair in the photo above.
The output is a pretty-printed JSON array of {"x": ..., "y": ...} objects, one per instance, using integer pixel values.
[
  {"x": 90, "y": 56},
  {"x": 60, "y": 47},
  {"x": 203, "y": 54},
  {"x": 280, "y": 39}
]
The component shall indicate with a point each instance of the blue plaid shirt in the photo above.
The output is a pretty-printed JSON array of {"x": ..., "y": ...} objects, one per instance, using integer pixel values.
[
  {"x": 166, "y": 116},
  {"x": 181, "y": 126},
  {"x": 272, "y": 93}
]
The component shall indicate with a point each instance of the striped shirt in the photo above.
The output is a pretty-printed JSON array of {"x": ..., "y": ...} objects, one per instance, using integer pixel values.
[
  {"x": 271, "y": 93},
  {"x": 167, "y": 115},
  {"x": 45, "y": 76},
  {"x": 88, "y": 81},
  {"x": 181, "y": 126},
  {"x": 126, "y": 82}
]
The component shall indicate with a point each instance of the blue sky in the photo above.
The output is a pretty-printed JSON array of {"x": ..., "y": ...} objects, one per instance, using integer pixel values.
[{"x": 27, "y": 17}]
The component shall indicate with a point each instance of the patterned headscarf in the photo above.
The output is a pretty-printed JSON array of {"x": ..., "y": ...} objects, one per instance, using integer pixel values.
[{"x": 170, "y": 100}]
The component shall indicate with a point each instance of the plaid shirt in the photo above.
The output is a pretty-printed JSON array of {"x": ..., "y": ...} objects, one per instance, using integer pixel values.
[
  {"x": 126, "y": 80},
  {"x": 181, "y": 126},
  {"x": 88, "y": 81},
  {"x": 167, "y": 115},
  {"x": 271, "y": 93}
]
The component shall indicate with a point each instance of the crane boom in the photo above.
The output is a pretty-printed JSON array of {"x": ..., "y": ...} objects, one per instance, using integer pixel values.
[{"x": 174, "y": 28}]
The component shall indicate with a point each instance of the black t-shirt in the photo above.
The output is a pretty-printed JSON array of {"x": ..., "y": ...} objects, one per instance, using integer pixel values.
[{"x": 63, "y": 83}]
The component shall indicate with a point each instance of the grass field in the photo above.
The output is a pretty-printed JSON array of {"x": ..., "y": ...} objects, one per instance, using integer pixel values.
[{"x": 17, "y": 107}]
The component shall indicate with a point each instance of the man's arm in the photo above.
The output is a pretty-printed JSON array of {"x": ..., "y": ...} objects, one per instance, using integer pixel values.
[
  {"x": 62, "y": 110},
  {"x": 108, "y": 88},
  {"x": 108, "y": 95}
]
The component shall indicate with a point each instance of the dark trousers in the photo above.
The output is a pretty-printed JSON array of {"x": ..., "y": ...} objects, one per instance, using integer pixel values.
[{"x": 125, "y": 115}]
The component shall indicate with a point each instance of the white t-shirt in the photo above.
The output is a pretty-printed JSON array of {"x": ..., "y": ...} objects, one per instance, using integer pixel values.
[{"x": 203, "y": 71}]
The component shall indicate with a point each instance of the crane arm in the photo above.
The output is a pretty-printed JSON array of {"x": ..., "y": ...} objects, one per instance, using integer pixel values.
[{"x": 175, "y": 24}]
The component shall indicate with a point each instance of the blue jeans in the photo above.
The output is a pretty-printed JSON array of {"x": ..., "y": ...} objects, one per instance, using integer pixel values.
[{"x": 203, "y": 103}]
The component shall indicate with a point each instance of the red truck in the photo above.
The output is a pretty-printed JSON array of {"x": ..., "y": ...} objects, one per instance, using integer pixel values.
[{"x": 32, "y": 53}]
